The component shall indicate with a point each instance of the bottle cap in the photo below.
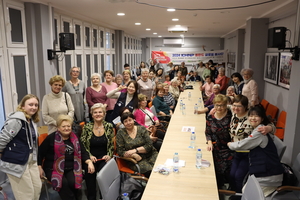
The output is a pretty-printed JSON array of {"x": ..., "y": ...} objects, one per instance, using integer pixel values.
[{"x": 199, "y": 149}]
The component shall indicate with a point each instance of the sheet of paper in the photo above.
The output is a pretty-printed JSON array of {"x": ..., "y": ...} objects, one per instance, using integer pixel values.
[
  {"x": 117, "y": 120},
  {"x": 188, "y": 129},
  {"x": 169, "y": 162}
]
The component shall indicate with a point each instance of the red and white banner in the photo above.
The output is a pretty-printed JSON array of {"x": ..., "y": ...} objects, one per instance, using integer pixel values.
[{"x": 189, "y": 58}]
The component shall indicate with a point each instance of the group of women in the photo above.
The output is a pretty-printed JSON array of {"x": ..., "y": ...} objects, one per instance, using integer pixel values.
[
  {"x": 240, "y": 138},
  {"x": 63, "y": 155}
]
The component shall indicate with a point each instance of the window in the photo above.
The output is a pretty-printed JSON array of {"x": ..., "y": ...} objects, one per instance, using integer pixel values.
[
  {"x": 2, "y": 116},
  {"x": 102, "y": 65},
  {"x": 125, "y": 58},
  {"x": 107, "y": 43},
  {"x": 108, "y": 67},
  {"x": 55, "y": 32},
  {"x": 96, "y": 66},
  {"x": 79, "y": 64},
  {"x": 66, "y": 26},
  {"x": 101, "y": 39},
  {"x": 88, "y": 68},
  {"x": 15, "y": 25},
  {"x": 95, "y": 38},
  {"x": 78, "y": 35},
  {"x": 87, "y": 37},
  {"x": 113, "y": 40},
  {"x": 113, "y": 62},
  {"x": 125, "y": 42}
]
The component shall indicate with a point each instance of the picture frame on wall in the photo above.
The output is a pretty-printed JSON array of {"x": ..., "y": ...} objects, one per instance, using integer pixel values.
[
  {"x": 271, "y": 67},
  {"x": 285, "y": 69}
]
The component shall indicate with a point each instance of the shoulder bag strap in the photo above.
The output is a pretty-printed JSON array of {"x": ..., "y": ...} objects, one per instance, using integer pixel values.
[{"x": 148, "y": 116}]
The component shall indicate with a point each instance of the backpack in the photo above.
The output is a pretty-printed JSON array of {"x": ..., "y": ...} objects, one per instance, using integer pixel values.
[{"x": 289, "y": 178}]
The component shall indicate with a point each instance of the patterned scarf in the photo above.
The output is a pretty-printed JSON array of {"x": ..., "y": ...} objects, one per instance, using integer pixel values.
[{"x": 59, "y": 161}]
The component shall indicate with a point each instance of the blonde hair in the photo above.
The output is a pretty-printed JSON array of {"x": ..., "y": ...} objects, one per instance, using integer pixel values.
[
  {"x": 35, "y": 118},
  {"x": 57, "y": 78},
  {"x": 126, "y": 71},
  {"x": 71, "y": 69},
  {"x": 141, "y": 97},
  {"x": 220, "y": 98},
  {"x": 108, "y": 71},
  {"x": 61, "y": 118},
  {"x": 98, "y": 105}
]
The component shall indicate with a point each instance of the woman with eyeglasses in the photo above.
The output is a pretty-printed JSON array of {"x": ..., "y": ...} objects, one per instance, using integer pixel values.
[
  {"x": 240, "y": 128},
  {"x": 217, "y": 136},
  {"x": 76, "y": 89},
  {"x": 250, "y": 89}
]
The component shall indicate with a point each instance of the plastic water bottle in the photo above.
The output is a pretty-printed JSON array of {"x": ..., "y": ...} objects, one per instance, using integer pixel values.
[
  {"x": 125, "y": 196},
  {"x": 199, "y": 159},
  {"x": 200, "y": 101},
  {"x": 183, "y": 109},
  {"x": 189, "y": 96},
  {"x": 181, "y": 104},
  {"x": 176, "y": 163},
  {"x": 196, "y": 109},
  {"x": 193, "y": 139}
]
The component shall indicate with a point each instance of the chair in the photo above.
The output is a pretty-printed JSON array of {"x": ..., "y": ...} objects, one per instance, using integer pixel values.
[
  {"x": 110, "y": 180},
  {"x": 280, "y": 146},
  {"x": 252, "y": 190},
  {"x": 280, "y": 125},
  {"x": 264, "y": 103},
  {"x": 289, "y": 192},
  {"x": 152, "y": 108},
  {"x": 272, "y": 112}
]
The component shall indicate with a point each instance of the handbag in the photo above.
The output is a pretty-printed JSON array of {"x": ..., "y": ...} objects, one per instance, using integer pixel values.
[
  {"x": 131, "y": 186},
  {"x": 76, "y": 128}
]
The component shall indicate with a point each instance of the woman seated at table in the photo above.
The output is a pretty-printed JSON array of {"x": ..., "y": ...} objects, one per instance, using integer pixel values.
[
  {"x": 62, "y": 155},
  {"x": 134, "y": 142},
  {"x": 162, "y": 109},
  {"x": 264, "y": 162},
  {"x": 174, "y": 89},
  {"x": 97, "y": 138},
  {"x": 168, "y": 98},
  {"x": 217, "y": 136}
]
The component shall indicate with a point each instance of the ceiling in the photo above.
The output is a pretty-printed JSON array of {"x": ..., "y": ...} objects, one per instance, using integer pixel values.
[{"x": 200, "y": 23}]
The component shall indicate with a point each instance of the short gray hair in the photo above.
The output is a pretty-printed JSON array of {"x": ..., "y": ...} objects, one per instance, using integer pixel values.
[
  {"x": 144, "y": 70},
  {"x": 96, "y": 74},
  {"x": 217, "y": 85},
  {"x": 221, "y": 69},
  {"x": 98, "y": 105},
  {"x": 249, "y": 70}
]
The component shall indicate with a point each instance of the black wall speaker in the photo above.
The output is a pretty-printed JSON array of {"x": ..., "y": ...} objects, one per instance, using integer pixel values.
[
  {"x": 276, "y": 37},
  {"x": 66, "y": 41}
]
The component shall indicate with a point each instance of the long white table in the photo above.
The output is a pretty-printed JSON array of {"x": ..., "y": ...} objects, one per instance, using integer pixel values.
[{"x": 190, "y": 183}]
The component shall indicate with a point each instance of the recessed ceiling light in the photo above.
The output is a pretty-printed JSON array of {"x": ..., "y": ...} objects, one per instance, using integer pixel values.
[
  {"x": 138, "y": 23},
  {"x": 155, "y": 33},
  {"x": 171, "y": 9},
  {"x": 175, "y": 20},
  {"x": 177, "y": 25},
  {"x": 148, "y": 29},
  {"x": 121, "y": 14},
  {"x": 159, "y": 36}
]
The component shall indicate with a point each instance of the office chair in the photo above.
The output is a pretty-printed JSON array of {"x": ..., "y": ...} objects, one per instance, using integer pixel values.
[
  {"x": 280, "y": 125},
  {"x": 280, "y": 146}
]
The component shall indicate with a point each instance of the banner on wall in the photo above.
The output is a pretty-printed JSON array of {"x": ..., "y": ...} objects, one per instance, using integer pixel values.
[{"x": 189, "y": 58}]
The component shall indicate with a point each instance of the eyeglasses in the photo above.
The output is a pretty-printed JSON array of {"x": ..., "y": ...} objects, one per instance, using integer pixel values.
[
  {"x": 237, "y": 106},
  {"x": 220, "y": 105},
  {"x": 75, "y": 71}
]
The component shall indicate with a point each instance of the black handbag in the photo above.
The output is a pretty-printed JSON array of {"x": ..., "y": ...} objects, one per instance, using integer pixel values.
[{"x": 131, "y": 186}]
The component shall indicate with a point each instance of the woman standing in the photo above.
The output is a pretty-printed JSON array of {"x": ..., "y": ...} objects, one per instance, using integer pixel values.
[
  {"x": 238, "y": 82},
  {"x": 76, "y": 89},
  {"x": 60, "y": 158},
  {"x": 18, "y": 146},
  {"x": 126, "y": 77},
  {"x": 206, "y": 72},
  {"x": 173, "y": 72},
  {"x": 250, "y": 89},
  {"x": 134, "y": 142},
  {"x": 127, "y": 99},
  {"x": 119, "y": 80},
  {"x": 160, "y": 76},
  {"x": 145, "y": 84},
  {"x": 56, "y": 103},
  {"x": 96, "y": 93},
  {"x": 200, "y": 69},
  {"x": 217, "y": 136},
  {"x": 222, "y": 80},
  {"x": 109, "y": 85},
  {"x": 97, "y": 138}
]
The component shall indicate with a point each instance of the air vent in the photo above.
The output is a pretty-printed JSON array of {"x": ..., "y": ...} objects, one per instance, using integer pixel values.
[{"x": 178, "y": 29}]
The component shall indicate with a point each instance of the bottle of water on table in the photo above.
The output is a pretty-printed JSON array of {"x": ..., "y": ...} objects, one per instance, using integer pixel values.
[
  {"x": 199, "y": 159},
  {"x": 196, "y": 109},
  {"x": 189, "y": 96},
  {"x": 193, "y": 139},
  {"x": 125, "y": 196},
  {"x": 183, "y": 109},
  {"x": 176, "y": 163}
]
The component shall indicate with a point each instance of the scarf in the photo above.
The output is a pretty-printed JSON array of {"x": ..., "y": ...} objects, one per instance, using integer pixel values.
[
  {"x": 59, "y": 161},
  {"x": 247, "y": 81}
]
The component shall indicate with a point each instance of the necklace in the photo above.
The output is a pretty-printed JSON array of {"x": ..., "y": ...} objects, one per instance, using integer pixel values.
[
  {"x": 98, "y": 128},
  {"x": 131, "y": 132}
]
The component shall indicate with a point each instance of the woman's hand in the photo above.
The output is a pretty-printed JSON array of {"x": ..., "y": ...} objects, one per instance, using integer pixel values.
[
  {"x": 129, "y": 153},
  {"x": 157, "y": 123},
  {"x": 93, "y": 159},
  {"x": 121, "y": 87},
  {"x": 210, "y": 146},
  {"x": 264, "y": 129},
  {"x": 154, "y": 139},
  {"x": 91, "y": 168},
  {"x": 106, "y": 158},
  {"x": 42, "y": 173},
  {"x": 162, "y": 113}
]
